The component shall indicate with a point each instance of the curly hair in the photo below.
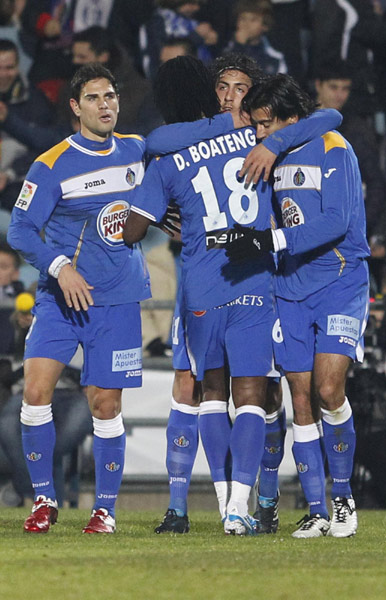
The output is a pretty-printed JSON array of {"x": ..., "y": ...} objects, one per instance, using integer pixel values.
[
  {"x": 233, "y": 61},
  {"x": 183, "y": 90}
]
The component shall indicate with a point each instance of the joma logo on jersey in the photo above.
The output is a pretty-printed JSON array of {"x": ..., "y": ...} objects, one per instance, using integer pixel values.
[
  {"x": 96, "y": 183},
  {"x": 111, "y": 221}
]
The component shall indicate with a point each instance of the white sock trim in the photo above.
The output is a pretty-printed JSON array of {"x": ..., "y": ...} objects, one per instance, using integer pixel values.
[
  {"x": 339, "y": 415},
  {"x": 185, "y": 408},
  {"x": 272, "y": 417},
  {"x": 305, "y": 433},
  {"x": 213, "y": 406},
  {"x": 35, "y": 415},
  {"x": 249, "y": 408},
  {"x": 108, "y": 428}
]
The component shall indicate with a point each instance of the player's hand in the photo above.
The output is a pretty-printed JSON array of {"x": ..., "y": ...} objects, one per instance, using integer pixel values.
[
  {"x": 259, "y": 161},
  {"x": 75, "y": 288},
  {"x": 208, "y": 34},
  {"x": 249, "y": 243},
  {"x": 171, "y": 222}
]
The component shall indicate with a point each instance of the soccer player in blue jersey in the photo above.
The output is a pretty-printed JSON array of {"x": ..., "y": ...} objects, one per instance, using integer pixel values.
[
  {"x": 203, "y": 180},
  {"x": 224, "y": 313},
  {"x": 89, "y": 289},
  {"x": 233, "y": 76},
  {"x": 322, "y": 295}
]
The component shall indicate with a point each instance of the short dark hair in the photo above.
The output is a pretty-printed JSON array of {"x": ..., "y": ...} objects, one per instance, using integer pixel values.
[
  {"x": 87, "y": 73},
  {"x": 9, "y": 46},
  {"x": 183, "y": 90},
  {"x": 236, "y": 62},
  {"x": 100, "y": 40},
  {"x": 263, "y": 8},
  {"x": 6, "y": 249},
  {"x": 172, "y": 41},
  {"x": 338, "y": 70},
  {"x": 282, "y": 95}
]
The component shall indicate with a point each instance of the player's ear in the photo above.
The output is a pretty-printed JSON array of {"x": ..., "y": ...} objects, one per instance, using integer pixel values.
[
  {"x": 293, "y": 119},
  {"x": 75, "y": 107}
]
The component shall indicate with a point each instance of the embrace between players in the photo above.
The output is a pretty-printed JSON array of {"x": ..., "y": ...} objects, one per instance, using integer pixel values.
[{"x": 286, "y": 272}]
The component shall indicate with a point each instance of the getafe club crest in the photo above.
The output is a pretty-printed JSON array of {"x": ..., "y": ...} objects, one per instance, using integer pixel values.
[
  {"x": 299, "y": 177},
  {"x": 130, "y": 176},
  {"x": 181, "y": 442}
]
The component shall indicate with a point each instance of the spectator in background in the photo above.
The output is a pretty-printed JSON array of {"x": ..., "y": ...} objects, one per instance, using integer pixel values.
[
  {"x": 27, "y": 103},
  {"x": 149, "y": 117},
  {"x": 289, "y": 34},
  {"x": 333, "y": 88},
  {"x": 176, "y": 46},
  {"x": 52, "y": 24},
  {"x": 10, "y": 287},
  {"x": 11, "y": 29},
  {"x": 254, "y": 18},
  {"x": 96, "y": 44},
  {"x": 219, "y": 13},
  {"x": 174, "y": 18},
  {"x": 350, "y": 31}
]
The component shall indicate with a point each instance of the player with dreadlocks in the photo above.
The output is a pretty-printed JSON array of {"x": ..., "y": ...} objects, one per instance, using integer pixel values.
[
  {"x": 225, "y": 309},
  {"x": 233, "y": 76}
]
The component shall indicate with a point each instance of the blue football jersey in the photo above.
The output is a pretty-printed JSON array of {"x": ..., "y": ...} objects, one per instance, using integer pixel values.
[
  {"x": 202, "y": 180},
  {"x": 79, "y": 193},
  {"x": 318, "y": 187}
]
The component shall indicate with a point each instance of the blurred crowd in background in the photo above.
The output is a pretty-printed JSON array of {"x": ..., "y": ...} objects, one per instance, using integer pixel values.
[{"x": 335, "y": 49}]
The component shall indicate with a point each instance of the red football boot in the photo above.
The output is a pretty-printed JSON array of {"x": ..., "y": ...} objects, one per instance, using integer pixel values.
[
  {"x": 100, "y": 522},
  {"x": 44, "y": 513}
]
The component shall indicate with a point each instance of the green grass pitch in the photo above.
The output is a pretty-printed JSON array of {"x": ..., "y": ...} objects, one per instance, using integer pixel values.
[{"x": 134, "y": 563}]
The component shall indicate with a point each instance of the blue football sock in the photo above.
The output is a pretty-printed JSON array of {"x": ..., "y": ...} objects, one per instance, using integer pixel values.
[
  {"x": 38, "y": 440},
  {"x": 109, "y": 456},
  {"x": 339, "y": 443},
  {"x": 182, "y": 444},
  {"x": 215, "y": 429},
  {"x": 275, "y": 431},
  {"x": 310, "y": 466},
  {"x": 38, "y": 446},
  {"x": 247, "y": 444}
]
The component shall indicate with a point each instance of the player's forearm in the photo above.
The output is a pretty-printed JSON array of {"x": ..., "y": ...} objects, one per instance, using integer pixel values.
[
  {"x": 324, "y": 229},
  {"x": 304, "y": 130},
  {"x": 174, "y": 137},
  {"x": 24, "y": 237}
]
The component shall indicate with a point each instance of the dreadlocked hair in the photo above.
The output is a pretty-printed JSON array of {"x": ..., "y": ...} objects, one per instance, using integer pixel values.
[
  {"x": 183, "y": 90},
  {"x": 236, "y": 62},
  {"x": 282, "y": 95}
]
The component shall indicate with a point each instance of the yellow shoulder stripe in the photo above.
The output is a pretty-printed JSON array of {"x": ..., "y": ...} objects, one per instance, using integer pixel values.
[
  {"x": 51, "y": 156},
  {"x": 333, "y": 140},
  {"x": 129, "y": 135}
]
